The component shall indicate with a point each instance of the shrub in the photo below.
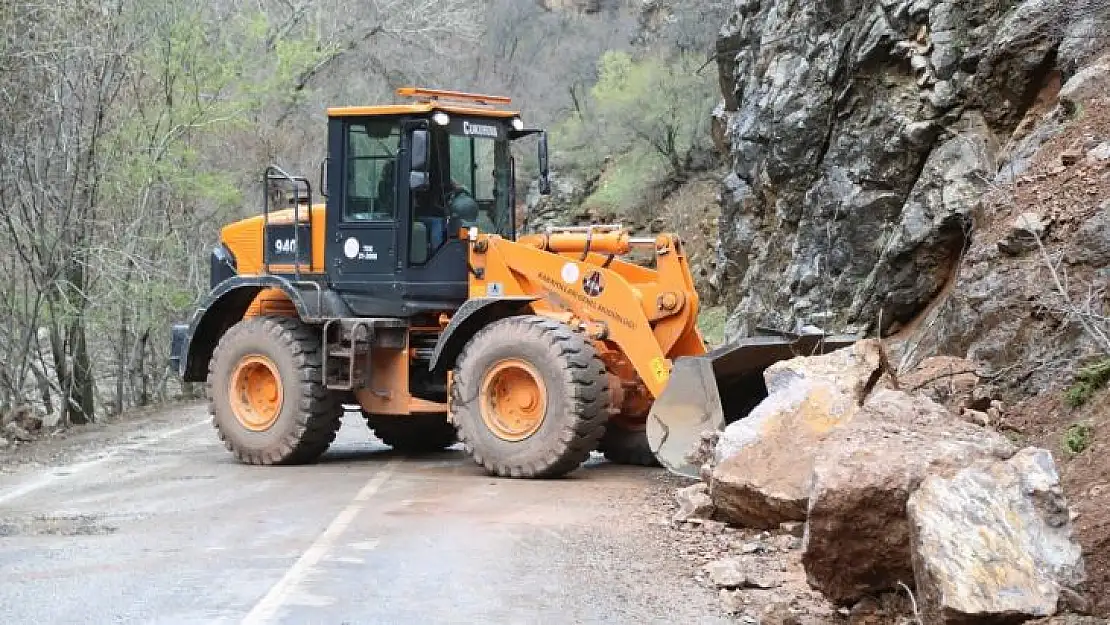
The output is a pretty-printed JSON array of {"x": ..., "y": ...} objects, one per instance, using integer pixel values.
[{"x": 1088, "y": 381}]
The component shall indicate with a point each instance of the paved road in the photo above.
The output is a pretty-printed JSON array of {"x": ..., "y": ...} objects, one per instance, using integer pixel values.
[{"x": 156, "y": 524}]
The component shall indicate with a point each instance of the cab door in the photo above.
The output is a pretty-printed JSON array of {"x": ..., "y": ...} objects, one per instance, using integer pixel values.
[{"x": 363, "y": 205}]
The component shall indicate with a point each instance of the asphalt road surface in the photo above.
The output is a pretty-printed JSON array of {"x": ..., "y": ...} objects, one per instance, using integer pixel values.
[{"x": 153, "y": 522}]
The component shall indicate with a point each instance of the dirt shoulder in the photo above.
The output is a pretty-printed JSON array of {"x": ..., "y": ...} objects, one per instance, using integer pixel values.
[{"x": 64, "y": 445}]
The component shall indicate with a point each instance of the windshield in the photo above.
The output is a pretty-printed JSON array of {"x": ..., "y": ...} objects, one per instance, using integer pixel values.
[{"x": 480, "y": 167}]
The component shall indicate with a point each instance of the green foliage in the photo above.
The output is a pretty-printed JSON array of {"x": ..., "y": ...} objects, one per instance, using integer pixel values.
[
  {"x": 658, "y": 103},
  {"x": 636, "y": 127},
  {"x": 624, "y": 185},
  {"x": 712, "y": 322},
  {"x": 1078, "y": 438},
  {"x": 655, "y": 105},
  {"x": 1088, "y": 381}
]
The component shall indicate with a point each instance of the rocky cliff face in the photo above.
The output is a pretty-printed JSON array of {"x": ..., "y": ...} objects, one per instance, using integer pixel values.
[{"x": 863, "y": 135}]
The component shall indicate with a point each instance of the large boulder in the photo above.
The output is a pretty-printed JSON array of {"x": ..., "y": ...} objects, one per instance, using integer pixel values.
[
  {"x": 857, "y": 540},
  {"x": 763, "y": 462},
  {"x": 994, "y": 542}
]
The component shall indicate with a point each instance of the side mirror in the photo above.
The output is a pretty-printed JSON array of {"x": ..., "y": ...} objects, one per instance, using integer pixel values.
[
  {"x": 545, "y": 169},
  {"x": 324, "y": 176},
  {"x": 418, "y": 163}
]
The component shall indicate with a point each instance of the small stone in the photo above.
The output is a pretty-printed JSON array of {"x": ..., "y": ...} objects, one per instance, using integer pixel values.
[
  {"x": 762, "y": 581},
  {"x": 713, "y": 527},
  {"x": 1100, "y": 153},
  {"x": 786, "y": 542},
  {"x": 921, "y": 133},
  {"x": 794, "y": 528},
  {"x": 693, "y": 503},
  {"x": 726, "y": 573},
  {"x": 975, "y": 416},
  {"x": 779, "y": 614},
  {"x": 752, "y": 547},
  {"x": 732, "y": 602},
  {"x": 1070, "y": 158}
]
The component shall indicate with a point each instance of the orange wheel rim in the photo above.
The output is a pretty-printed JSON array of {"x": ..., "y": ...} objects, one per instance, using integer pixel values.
[
  {"x": 256, "y": 393},
  {"x": 514, "y": 400}
]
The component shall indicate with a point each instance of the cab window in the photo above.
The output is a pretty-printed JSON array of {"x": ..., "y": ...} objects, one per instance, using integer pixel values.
[{"x": 372, "y": 148}]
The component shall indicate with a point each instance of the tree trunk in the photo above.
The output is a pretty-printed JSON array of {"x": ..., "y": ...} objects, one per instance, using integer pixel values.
[{"x": 82, "y": 403}]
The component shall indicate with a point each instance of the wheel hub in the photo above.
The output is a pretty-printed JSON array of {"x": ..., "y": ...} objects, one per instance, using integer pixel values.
[
  {"x": 513, "y": 400},
  {"x": 256, "y": 393}
]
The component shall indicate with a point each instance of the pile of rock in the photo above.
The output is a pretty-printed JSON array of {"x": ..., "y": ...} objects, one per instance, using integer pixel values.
[
  {"x": 19, "y": 425},
  {"x": 896, "y": 491}
]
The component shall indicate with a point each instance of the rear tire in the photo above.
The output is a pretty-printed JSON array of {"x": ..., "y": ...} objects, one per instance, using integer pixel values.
[
  {"x": 266, "y": 396},
  {"x": 627, "y": 445},
  {"x": 418, "y": 433},
  {"x": 529, "y": 398}
]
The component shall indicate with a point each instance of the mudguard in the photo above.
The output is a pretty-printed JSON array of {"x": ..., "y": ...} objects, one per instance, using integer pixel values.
[
  {"x": 192, "y": 344},
  {"x": 471, "y": 317}
]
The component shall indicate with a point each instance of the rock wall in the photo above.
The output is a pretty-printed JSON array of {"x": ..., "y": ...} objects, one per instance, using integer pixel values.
[{"x": 863, "y": 134}]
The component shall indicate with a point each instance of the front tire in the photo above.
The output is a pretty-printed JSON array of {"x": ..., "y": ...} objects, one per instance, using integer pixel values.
[
  {"x": 415, "y": 434},
  {"x": 266, "y": 395},
  {"x": 529, "y": 398}
]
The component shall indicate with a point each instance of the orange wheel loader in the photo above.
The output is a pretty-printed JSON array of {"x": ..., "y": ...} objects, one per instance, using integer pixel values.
[{"x": 409, "y": 293}]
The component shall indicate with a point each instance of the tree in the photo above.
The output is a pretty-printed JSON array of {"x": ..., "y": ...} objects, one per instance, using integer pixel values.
[{"x": 657, "y": 103}]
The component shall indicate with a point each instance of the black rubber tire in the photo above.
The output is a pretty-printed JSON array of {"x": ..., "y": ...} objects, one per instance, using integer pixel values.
[
  {"x": 418, "y": 433},
  {"x": 577, "y": 398},
  {"x": 310, "y": 415},
  {"x": 622, "y": 445}
]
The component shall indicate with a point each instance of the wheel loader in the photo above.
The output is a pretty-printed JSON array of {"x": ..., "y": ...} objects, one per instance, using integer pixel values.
[{"x": 409, "y": 292}]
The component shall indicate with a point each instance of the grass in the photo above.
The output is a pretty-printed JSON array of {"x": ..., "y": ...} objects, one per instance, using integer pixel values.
[
  {"x": 627, "y": 183},
  {"x": 1090, "y": 380},
  {"x": 711, "y": 322},
  {"x": 1078, "y": 438}
]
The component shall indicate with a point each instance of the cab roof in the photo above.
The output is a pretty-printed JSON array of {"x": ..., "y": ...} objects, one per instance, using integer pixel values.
[{"x": 429, "y": 100}]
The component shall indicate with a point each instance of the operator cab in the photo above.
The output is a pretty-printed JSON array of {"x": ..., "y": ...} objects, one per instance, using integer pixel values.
[{"x": 402, "y": 183}]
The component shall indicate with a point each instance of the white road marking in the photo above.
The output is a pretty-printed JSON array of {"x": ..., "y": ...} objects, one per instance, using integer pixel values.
[
  {"x": 286, "y": 588},
  {"x": 58, "y": 473}
]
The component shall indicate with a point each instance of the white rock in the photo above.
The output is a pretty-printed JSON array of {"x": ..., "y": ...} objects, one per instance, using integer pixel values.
[{"x": 994, "y": 541}]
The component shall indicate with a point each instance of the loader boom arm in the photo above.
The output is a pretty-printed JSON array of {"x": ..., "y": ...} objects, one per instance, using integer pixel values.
[{"x": 648, "y": 315}]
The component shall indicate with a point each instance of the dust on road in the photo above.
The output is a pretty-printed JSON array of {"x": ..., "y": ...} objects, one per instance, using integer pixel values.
[{"x": 153, "y": 522}]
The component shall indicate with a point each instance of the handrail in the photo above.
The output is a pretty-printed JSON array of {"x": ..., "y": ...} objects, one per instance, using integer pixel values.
[{"x": 276, "y": 173}]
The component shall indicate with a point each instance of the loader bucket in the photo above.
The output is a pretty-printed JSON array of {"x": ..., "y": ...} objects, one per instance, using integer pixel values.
[{"x": 706, "y": 393}]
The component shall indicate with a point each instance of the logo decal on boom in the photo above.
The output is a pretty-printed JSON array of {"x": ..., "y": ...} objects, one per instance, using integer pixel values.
[{"x": 593, "y": 284}]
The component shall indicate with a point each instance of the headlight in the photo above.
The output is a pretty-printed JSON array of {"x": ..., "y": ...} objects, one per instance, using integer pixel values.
[
  {"x": 518, "y": 124},
  {"x": 441, "y": 118}
]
